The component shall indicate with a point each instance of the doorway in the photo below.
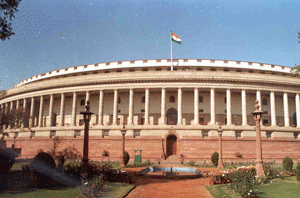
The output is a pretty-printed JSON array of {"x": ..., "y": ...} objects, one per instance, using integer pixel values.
[
  {"x": 172, "y": 116},
  {"x": 171, "y": 145}
]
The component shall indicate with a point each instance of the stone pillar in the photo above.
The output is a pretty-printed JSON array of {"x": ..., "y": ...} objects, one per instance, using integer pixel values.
[
  {"x": 163, "y": 107},
  {"x": 41, "y": 113},
  {"x": 179, "y": 119},
  {"x": 273, "y": 108},
  {"x": 115, "y": 110},
  {"x": 101, "y": 96},
  {"x": 24, "y": 110},
  {"x": 16, "y": 110},
  {"x": 31, "y": 117},
  {"x": 51, "y": 111},
  {"x": 244, "y": 108},
  {"x": 286, "y": 110},
  {"x": 212, "y": 106},
  {"x": 62, "y": 110},
  {"x": 74, "y": 109},
  {"x": 17, "y": 104},
  {"x": 228, "y": 107},
  {"x": 258, "y": 97},
  {"x": 11, "y": 110},
  {"x": 130, "y": 108},
  {"x": 147, "y": 106},
  {"x": 87, "y": 96},
  {"x": 196, "y": 106},
  {"x": 297, "y": 109}
]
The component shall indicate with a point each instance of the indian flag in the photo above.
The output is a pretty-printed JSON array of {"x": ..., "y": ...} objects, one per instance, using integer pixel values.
[{"x": 176, "y": 38}]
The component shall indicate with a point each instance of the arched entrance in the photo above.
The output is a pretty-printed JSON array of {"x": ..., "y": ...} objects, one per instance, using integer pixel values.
[
  {"x": 171, "y": 145},
  {"x": 172, "y": 116}
]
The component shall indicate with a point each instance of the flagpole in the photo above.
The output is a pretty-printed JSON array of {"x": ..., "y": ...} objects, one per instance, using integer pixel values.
[{"x": 171, "y": 54}]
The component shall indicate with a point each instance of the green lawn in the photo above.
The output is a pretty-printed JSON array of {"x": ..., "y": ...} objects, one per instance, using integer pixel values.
[
  {"x": 287, "y": 187},
  {"x": 118, "y": 190},
  {"x": 20, "y": 187},
  {"x": 63, "y": 193}
]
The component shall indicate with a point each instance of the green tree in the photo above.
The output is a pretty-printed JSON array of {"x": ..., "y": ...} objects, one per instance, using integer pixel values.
[
  {"x": 14, "y": 119},
  {"x": 7, "y": 13}
]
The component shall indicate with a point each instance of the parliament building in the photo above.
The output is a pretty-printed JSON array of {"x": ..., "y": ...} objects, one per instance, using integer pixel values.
[{"x": 164, "y": 112}]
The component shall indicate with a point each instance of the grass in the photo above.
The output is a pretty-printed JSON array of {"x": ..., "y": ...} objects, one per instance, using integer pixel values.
[
  {"x": 118, "y": 190},
  {"x": 40, "y": 193},
  {"x": 288, "y": 187},
  {"x": 220, "y": 191},
  {"x": 17, "y": 166},
  {"x": 19, "y": 186}
]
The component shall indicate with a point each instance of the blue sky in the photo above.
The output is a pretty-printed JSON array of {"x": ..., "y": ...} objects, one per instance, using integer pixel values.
[{"x": 55, "y": 34}]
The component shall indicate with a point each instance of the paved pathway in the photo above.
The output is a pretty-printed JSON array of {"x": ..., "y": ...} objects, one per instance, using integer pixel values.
[{"x": 164, "y": 188}]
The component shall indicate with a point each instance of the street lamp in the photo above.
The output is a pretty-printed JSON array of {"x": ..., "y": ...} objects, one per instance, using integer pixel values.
[
  {"x": 257, "y": 117},
  {"x": 86, "y": 117},
  {"x": 123, "y": 132},
  {"x": 220, "y": 162}
]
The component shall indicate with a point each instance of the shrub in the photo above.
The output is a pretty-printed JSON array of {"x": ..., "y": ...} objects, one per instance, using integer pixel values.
[
  {"x": 7, "y": 160},
  {"x": 215, "y": 158},
  {"x": 126, "y": 158},
  {"x": 298, "y": 172},
  {"x": 238, "y": 155},
  {"x": 61, "y": 161},
  {"x": 42, "y": 169},
  {"x": 271, "y": 172},
  {"x": 70, "y": 153},
  {"x": 105, "y": 153},
  {"x": 287, "y": 164},
  {"x": 243, "y": 182}
]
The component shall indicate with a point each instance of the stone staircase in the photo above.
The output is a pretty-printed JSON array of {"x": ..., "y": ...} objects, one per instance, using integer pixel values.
[{"x": 172, "y": 159}]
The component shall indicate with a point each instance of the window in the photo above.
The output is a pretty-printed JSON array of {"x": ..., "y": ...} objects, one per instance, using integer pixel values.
[
  {"x": 142, "y": 110},
  {"x": 238, "y": 134},
  {"x": 119, "y": 100},
  {"x": 201, "y": 110},
  {"x": 82, "y": 102},
  {"x": 264, "y": 102},
  {"x": 225, "y": 100},
  {"x": 205, "y": 134},
  {"x": 201, "y": 121},
  {"x": 119, "y": 111},
  {"x": 105, "y": 133},
  {"x": 142, "y": 121},
  {"x": 77, "y": 133},
  {"x": 52, "y": 133},
  {"x": 81, "y": 122},
  {"x": 32, "y": 134},
  {"x": 137, "y": 133},
  {"x": 200, "y": 99},
  {"x": 172, "y": 99},
  {"x": 269, "y": 134},
  {"x": 296, "y": 135},
  {"x": 265, "y": 122},
  {"x": 143, "y": 99}
]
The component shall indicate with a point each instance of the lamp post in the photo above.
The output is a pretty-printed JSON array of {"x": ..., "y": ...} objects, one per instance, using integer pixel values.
[
  {"x": 257, "y": 117},
  {"x": 86, "y": 117},
  {"x": 123, "y": 132},
  {"x": 220, "y": 162}
]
